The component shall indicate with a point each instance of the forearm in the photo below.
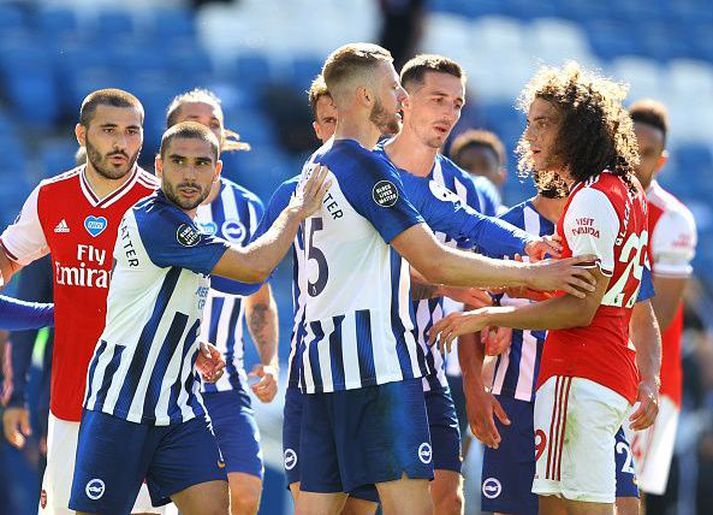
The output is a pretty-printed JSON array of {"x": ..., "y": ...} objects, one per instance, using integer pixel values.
[
  {"x": 470, "y": 357},
  {"x": 263, "y": 324},
  {"x": 254, "y": 262},
  {"x": 646, "y": 337},
  {"x": 562, "y": 312},
  {"x": 457, "y": 268}
]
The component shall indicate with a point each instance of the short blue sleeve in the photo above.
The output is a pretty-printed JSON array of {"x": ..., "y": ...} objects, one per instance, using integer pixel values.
[
  {"x": 172, "y": 239},
  {"x": 19, "y": 315},
  {"x": 646, "y": 291},
  {"x": 373, "y": 187}
]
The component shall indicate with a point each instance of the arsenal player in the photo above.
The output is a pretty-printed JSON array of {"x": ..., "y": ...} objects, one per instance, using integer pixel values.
[
  {"x": 74, "y": 216},
  {"x": 672, "y": 246},
  {"x": 588, "y": 379}
]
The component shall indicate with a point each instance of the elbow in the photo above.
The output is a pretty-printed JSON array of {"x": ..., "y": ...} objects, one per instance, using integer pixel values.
[
  {"x": 584, "y": 317},
  {"x": 260, "y": 275}
]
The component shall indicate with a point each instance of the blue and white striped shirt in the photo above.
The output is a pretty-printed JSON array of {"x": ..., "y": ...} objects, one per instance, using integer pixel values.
[
  {"x": 233, "y": 216},
  {"x": 357, "y": 312},
  {"x": 516, "y": 370},
  {"x": 143, "y": 366}
]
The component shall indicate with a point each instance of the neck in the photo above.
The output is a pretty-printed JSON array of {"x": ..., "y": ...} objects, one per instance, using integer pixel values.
[
  {"x": 550, "y": 208},
  {"x": 214, "y": 191},
  {"x": 407, "y": 152},
  {"x": 103, "y": 186},
  {"x": 357, "y": 126}
]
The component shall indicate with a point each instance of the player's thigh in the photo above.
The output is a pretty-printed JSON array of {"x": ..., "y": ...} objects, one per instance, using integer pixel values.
[
  {"x": 62, "y": 437},
  {"x": 245, "y": 491},
  {"x": 588, "y": 508},
  {"x": 237, "y": 433},
  {"x": 291, "y": 430},
  {"x": 207, "y": 498},
  {"x": 447, "y": 492},
  {"x": 508, "y": 471},
  {"x": 381, "y": 434},
  {"x": 405, "y": 496},
  {"x": 185, "y": 456},
  {"x": 314, "y": 503},
  {"x": 108, "y": 475},
  {"x": 354, "y": 506}
]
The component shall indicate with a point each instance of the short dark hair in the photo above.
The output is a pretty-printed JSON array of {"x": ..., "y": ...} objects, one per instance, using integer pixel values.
[
  {"x": 109, "y": 97},
  {"x": 189, "y": 130},
  {"x": 478, "y": 138},
  {"x": 317, "y": 90},
  {"x": 650, "y": 112},
  {"x": 352, "y": 62},
  {"x": 415, "y": 69}
]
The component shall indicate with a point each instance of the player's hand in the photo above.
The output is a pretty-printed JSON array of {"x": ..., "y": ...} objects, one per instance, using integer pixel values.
[
  {"x": 447, "y": 329},
  {"x": 308, "y": 199},
  {"x": 648, "y": 410},
  {"x": 16, "y": 424},
  {"x": 266, "y": 388},
  {"x": 210, "y": 363},
  {"x": 482, "y": 407},
  {"x": 544, "y": 246},
  {"x": 496, "y": 340},
  {"x": 568, "y": 275},
  {"x": 472, "y": 296}
]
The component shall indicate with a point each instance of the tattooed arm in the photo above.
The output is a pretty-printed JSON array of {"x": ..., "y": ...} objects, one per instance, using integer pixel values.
[{"x": 262, "y": 321}]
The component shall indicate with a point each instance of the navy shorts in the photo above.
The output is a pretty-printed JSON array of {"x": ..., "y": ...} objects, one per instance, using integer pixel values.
[
  {"x": 363, "y": 437},
  {"x": 291, "y": 428},
  {"x": 234, "y": 425},
  {"x": 114, "y": 457},
  {"x": 508, "y": 470},
  {"x": 625, "y": 471},
  {"x": 444, "y": 428}
]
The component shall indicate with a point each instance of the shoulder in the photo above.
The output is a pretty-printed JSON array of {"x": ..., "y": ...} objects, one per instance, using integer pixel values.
[
  {"x": 70, "y": 177},
  {"x": 148, "y": 179},
  {"x": 241, "y": 193},
  {"x": 452, "y": 170},
  {"x": 155, "y": 213},
  {"x": 348, "y": 156},
  {"x": 515, "y": 212},
  {"x": 673, "y": 210}
]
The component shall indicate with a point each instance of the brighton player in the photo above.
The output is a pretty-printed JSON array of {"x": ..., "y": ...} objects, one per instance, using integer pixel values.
[
  {"x": 358, "y": 356},
  {"x": 436, "y": 95},
  {"x": 20, "y": 315},
  {"x": 501, "y": 411},
  {"x": 74, "y": 216},
  {"x": 588, "y": 376},
  {"x": 231, "y": 212},
  {"x": 672, "y": 246},
  {"x": 141, "y": 385},
  {"x": 482, "y": 154}
]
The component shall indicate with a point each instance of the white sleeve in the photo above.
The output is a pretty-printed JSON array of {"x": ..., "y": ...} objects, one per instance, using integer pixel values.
[
  {"x": 673, "y": 243},
  {"x": 24, "y": 240},
  {"x": 591, "y": 225}
]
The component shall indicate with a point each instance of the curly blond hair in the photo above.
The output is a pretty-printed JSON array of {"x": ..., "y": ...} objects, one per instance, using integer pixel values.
[{"x": 596, "y": 132}]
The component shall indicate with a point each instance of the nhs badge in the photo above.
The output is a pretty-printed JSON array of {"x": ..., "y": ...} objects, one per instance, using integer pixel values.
[
  {"x": 233, "y": 231},
  {"x": 95, "y": 225}
]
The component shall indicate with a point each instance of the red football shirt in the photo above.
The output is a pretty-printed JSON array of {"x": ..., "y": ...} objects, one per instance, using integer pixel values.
[
  {"x": 63, "y": 217},
  {"x": 671, "y": 250},
  {"x": 602, "y": 217}
]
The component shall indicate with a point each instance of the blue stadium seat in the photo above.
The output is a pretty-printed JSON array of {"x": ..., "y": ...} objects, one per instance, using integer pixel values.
[
  {"x": 172, "y": 23},
  {"x": 694, "y": 156},
  {"x": 54, "y": 21},
  {"x": 610, "y": 39},
  {"x": 303, "y": 71},
  {"x": 252, "y": 70},
  {"x": 12, "y": 17},
  {"x": 188, "y": 60},
  {"x": 115, "y": 22},
  {"x": 527, "y": 10},
  {"x": 57, "y": 156}
]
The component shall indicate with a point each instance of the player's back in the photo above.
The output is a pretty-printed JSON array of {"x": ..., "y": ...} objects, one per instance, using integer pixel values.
[
  {"x": 357, "y": 315},
  {"x": 603, "y": 216},
  {"x": 63, "y": 216}
]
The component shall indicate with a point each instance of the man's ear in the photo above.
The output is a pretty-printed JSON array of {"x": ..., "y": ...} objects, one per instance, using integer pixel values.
[
  {"x": 158, "y": 166},
  {"x": 365, "y": 96},
  {"x": 80, "y": 131},
  {"x": 662, "y": 160},
  {"x": 218, "y": 170}
]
